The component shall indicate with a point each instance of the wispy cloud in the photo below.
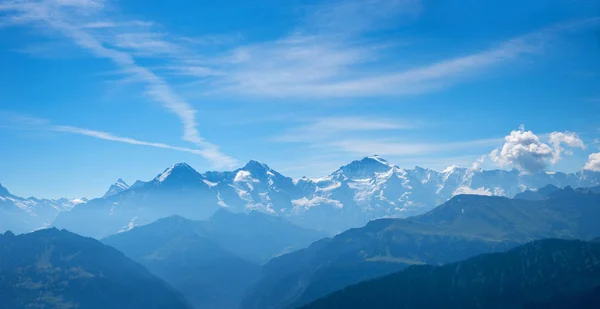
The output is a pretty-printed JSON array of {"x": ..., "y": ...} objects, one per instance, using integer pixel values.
[
  {"x": 364, "y": 135},
  {"x": 322, "y": 59},
  {"x": 323, "y": 128},
  {"x": 316, "y": 66},
  {"x": 387, "y": 147},
  {"x": 62, "y": 16},
  {"x": 17, "y": 121},
  {"x": 120, "y": 139},
  {"x": 327, "y": 54},
  {"x": 110, "y": 24}
]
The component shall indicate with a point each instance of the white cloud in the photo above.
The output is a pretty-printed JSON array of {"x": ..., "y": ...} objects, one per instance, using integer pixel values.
[
  {"x": 469, "y": 190},
  {"x": 329, "y": 127},
  {"x": 146, "y": 44},
  {"x": 593, "y": 162},
  {"x": 357, "y": 16},
  {"x": 120, "y": 139},
  {"x": 317, "y": 64},
  {"x": 20, "y": 122},
  {"x": 58, "y": 15},
  {"x": 477, "y": 163},
  {"x": 524, "y": 150},
  {"x": 557, "y": 139},
  {"x": 110, "y": 24},
  {"x": 397, "y": 148}
]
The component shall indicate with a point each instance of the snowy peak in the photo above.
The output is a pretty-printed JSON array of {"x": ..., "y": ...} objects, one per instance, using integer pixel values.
[
  {"x": 117, "y": 187},
  {"x": 256, "y": 167},
  {"x": 121, "y": 184},
  {"x": 365, "y": 168},
  {"x": 180, "y": 172},
  {"x": 378, "y": 159}
]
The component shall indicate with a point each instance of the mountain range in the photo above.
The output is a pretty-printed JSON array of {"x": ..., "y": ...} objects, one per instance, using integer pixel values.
[
  {"x": 58, "y": 269},
  {"x": 549, "y": 274},
  {"x": 464, "y": 226},
  {"x": 211, "y": 262},
  {"x": 360, "y": 191},
  {"x": 255, "y": 260},
  {"x": 22, "y": 215}
]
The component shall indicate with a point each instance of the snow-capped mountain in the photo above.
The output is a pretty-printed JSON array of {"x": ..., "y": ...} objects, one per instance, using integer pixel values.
[
  {"x": 363, "y": 190},
  {"x": 22, "y": 215},
  {"x": 117, "y": 187}
]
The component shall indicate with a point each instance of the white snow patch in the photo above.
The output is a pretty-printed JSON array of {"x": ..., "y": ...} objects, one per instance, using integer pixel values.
[
  {"x": 331, "y": 187},
  {"x": 162, "y": 177},
  {"x": 220, "y": 202},
  {"x": 379, "y": 159},
  {"x": 264, "y": 196},
  {"x": 471, "y": 191},
  {"x": 121, "y": 184},
  {"x": 304, "y": 203},
  {"x": 499, "y": 192},
  {"x": 129, "y": 226},
  {"x": 77, "y": 201},
  {"x": 450, "y": 169},
  {"x": 268, "y": 208},
  {"x": 244, "y": 176},
  {"x": 244, "y": 195},
  {"x": 209, "y": 183}
]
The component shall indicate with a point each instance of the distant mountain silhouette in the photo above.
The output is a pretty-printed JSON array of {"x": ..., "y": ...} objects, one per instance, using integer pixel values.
[
  {"x": 549, "y": 274},
  {"x": 58, "y": 269},
  {"x": 465, "y": 226},
  {"x": 551, "y": 191},
  {"x": 23, "y": 215},
  {"x": 211, "y": 262}
]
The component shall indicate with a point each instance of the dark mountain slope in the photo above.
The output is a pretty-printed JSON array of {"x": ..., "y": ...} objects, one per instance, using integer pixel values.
[
  {"x": 58, "y": 269},
  {"x": 181, "y": 252},
  {"x": 211, "y": 262},
  {"x": 549, "y": 273},
  {"x": 463, "y": 227}
]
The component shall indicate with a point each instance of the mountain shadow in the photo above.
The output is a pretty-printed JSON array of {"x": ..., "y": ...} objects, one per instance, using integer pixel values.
[
  {"x": 551, "y": 273},
  {"x": 58, "y": 269}
]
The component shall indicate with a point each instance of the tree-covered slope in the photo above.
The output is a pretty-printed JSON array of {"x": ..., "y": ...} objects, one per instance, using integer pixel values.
[
  {"x": 548, "y": 273},
  {"x": 58, "y": 269}
]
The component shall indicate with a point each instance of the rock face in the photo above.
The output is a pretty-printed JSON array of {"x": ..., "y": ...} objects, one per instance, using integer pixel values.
[
  {"x": 58, "y": 269},
  {"x": 548, "y": 273},
  {"x": 363, "y": 190},
  {"x": 465, "y": 226}
]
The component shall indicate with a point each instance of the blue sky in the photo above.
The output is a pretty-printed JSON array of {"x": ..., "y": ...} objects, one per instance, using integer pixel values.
[{"x": 94, "y": 90}]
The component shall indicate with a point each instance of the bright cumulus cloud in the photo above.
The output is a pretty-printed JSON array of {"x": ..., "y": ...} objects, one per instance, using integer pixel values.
[
  {"x": 593, "y": 163},
  {"x": 525, "y": 151}
]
